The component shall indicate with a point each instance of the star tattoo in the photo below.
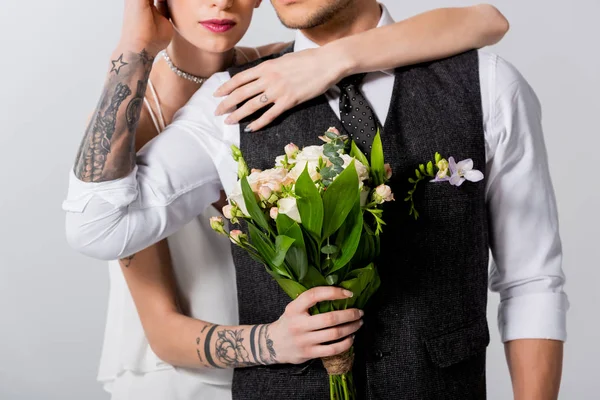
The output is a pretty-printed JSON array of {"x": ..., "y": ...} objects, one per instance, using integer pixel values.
[{"x": 118, "y": 64}]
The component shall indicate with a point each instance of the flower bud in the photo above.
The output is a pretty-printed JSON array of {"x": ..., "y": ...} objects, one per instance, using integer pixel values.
[
  {"x": 264, "y": 192},
  {"x": 274, "y": 212},
  {"x": 227, "y": 211},
  {"x": 291, "y": 150},
  {"x": 217, "y": 224},
  {"x": 255, "y": 171},
  {"x": 382, "y": 194},
  {"x": 236, "y": 152},
  {"x": 388, "y": 171},
  {"x": 443, "y": 167},
  {"x": 237, "y": 236}
]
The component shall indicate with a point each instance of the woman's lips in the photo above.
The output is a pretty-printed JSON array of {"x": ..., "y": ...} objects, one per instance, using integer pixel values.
[{"x": 218, "y": 25}]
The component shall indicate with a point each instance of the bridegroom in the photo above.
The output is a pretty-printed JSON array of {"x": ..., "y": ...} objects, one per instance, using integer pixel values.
[{"x": 426, "y": 332}]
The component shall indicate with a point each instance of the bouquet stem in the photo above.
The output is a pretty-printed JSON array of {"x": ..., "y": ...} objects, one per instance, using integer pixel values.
[{"x": 341, "y": 383}]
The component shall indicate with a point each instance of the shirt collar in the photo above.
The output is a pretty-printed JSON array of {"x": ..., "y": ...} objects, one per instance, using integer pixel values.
[{"x": 304, "y": 43}]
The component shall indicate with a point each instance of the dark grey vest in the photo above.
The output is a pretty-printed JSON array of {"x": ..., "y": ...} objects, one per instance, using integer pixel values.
[{"x": 426, "y": 332}]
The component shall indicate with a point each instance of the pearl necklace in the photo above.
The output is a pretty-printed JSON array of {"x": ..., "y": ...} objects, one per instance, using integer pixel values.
[{"x": 180, "y": 73}]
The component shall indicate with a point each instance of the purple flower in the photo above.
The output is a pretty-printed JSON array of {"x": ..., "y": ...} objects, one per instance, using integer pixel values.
[{"x": 463, "y": 171}]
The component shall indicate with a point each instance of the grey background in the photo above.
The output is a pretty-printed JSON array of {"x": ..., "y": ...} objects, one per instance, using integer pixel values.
[{"x": 53, "y": 301}]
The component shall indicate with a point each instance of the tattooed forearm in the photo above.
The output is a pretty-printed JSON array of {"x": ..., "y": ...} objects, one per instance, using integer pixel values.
[
  {"x": 227, "y": 347},
  {"x": 126, "y": 262},
  {"x": 107, "y": 151}
]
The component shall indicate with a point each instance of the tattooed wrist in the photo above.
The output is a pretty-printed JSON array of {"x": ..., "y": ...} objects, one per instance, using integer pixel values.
[{"x": 235, "y": 348}]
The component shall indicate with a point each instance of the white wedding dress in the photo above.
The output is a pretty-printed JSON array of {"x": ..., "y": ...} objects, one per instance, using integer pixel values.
[{"x": 203, "y": 267}]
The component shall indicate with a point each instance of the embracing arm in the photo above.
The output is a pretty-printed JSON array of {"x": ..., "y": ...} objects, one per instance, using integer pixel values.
[
  {"x": 187, "y": 342},
  {"x": 297, "y": 77}
]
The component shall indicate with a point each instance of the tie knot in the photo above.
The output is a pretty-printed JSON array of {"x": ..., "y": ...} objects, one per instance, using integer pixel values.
[{"x": 351, "y": 81}]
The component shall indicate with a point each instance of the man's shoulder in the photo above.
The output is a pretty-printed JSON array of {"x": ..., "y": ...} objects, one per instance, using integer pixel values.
[{"x": 239, "y": 68}]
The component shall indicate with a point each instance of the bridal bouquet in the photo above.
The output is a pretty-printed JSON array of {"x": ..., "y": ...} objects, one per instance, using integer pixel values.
[{"x": 314, "y": 220}]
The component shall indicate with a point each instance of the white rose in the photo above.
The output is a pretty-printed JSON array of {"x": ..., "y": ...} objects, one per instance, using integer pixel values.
[
  {"x": 289, "y": 207},
  {"x": 361, "y": 169},
  {"x": 310, "y": 156}
]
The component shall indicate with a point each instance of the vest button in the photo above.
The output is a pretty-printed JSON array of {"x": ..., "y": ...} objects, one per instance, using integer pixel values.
[{"x": 378, "y": 354}]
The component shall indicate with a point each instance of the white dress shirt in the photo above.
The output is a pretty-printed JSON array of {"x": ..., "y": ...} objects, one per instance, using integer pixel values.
[{"x": 182, "y": 171}]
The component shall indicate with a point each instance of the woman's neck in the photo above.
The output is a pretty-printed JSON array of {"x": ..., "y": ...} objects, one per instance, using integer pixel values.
[
  {"x": 173, "y": 90},
  {"x": 195, "y": 61}
]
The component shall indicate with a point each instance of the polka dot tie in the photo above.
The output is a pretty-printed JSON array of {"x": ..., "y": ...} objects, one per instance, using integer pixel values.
[{"x": 356, "y": 113}]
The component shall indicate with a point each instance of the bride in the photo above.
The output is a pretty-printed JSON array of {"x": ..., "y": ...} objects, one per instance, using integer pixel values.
[{"x": 163, "y": 297}]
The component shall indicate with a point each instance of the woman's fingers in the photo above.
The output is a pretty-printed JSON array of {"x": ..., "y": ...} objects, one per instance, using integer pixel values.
[
  {"x": 237, "y": 81},
  {"x": 333, "y": 318},
  {"x": 334, "y": 334},
  {"x": 239, "y": 96},
  {"x": 316, "y": 295},
  {"x": 249, "y": 108}
]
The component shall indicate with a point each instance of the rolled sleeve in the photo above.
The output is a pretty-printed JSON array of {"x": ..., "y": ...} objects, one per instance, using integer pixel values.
[
  {"x": 524, "y": 234},
  {"x": 175, "y": 179}
]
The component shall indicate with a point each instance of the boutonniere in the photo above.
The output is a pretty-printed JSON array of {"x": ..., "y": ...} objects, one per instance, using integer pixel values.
[{"x": 442, "y": 171}]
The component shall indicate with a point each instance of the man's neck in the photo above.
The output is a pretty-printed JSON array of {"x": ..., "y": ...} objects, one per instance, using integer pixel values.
[{"x": 359, "y": 17}]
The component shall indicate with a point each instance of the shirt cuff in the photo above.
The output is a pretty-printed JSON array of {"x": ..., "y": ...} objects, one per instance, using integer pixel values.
[
  {"x": 534, "y": 316},
  {"x": 119, "y": 193}
]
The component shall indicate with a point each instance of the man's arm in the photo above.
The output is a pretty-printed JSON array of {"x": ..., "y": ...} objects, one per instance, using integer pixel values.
[{"x": 526, "y": 247}]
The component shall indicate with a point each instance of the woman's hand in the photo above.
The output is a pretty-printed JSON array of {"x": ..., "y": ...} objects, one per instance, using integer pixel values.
[
  {"x": 146, "y": 25},
  {"x": 298, "y": 337},
  {"x": 283, "y": 83}
]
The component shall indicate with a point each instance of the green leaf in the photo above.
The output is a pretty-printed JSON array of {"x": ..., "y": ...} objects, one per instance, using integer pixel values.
[
  {"x": 329, "y": 249},
  {"x": 309, "y": 204},
  {"x": 418, "y": 173},
  {"x": 292, "y": 288},
  {"x": 265, "y": 248},
  {"x": 337, "y": 161},
  {"x": 411, "y": 180},
  {"x": 422, "y": 169},
  {"x": 348, "y": 237},
  {"x": 430, "y": 168},
  {"x": 252, "y": 206},
  {"x": 356, "y": 153},
  {"x": 438, "y": 157},
  {"x": 296, "y": 256},
  {"x": 312, "y": 249},
  {"x": 332, "y": 279},
  {"x": 339, "y": 199},
  {"x": 282, "y": 245},
  {"x": 377, "y": 161},
  {"x": 284, "y": 223},
  {"x": 313, "y": 278}
]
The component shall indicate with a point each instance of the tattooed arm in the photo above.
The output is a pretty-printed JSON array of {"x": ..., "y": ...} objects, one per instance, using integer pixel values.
[
  {"x": 107, "y": 151},
  {"x": 187, "y": 342}
]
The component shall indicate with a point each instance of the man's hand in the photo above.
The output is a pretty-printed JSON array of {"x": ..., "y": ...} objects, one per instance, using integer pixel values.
[{"x": 535, "y": 368}]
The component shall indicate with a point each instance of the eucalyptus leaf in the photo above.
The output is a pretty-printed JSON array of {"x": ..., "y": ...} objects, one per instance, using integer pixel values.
[
  {"x": 329, "y": 249},
  {"x": 310, "y": 205},
  {"x": 332, "y": 279}
]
